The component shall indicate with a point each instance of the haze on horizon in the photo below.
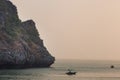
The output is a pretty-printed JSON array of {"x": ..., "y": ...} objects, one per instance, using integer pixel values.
[{"x": 76, "y": 29}]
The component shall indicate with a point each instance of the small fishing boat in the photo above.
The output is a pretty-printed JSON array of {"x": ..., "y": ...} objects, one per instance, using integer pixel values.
[{"x": 70, "y": 72}]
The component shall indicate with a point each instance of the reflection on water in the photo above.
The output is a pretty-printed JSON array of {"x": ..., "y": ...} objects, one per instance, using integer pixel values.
[
  {"x": 23, "y": 74},
  {"x": 85, "y": 71}
]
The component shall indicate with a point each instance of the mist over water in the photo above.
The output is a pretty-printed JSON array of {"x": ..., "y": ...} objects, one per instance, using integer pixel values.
[{"x": 86, "y": 70}]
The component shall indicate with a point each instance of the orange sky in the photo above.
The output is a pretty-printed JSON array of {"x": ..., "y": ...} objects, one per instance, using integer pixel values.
[{"x": 76, "y": 29}]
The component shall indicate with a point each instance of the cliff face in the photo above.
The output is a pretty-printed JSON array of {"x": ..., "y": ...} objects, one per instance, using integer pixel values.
[{"x": 20, "y": 44}]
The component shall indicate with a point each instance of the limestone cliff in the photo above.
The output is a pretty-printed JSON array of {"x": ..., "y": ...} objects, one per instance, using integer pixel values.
[{"x": 20, "y": 44}]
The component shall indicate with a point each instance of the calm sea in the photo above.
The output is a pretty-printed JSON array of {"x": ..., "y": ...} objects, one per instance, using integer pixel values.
[{"x": 86, "y": 70}]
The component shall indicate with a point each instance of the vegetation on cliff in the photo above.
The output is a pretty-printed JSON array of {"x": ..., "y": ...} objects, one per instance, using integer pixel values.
[{"x": 20, "y": 44}]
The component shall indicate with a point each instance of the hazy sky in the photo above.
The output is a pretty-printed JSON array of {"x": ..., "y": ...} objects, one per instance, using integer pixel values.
[{"x": 76, "y": 29}]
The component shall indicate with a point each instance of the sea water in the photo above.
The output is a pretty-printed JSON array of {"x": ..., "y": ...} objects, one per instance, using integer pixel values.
[{"x": 86, "y": 70}]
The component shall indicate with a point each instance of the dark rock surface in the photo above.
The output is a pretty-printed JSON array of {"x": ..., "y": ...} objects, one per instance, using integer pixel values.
[{"x": 20, "y": 44}]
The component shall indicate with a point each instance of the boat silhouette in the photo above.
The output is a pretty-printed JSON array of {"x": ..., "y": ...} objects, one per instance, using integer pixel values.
[{"x": 70, "y": 72}]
